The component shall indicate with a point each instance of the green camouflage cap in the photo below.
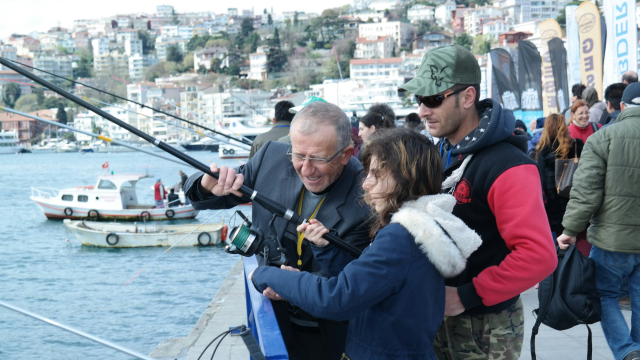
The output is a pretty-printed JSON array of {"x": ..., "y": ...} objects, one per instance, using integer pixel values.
[{"x": 441, "y": 68}]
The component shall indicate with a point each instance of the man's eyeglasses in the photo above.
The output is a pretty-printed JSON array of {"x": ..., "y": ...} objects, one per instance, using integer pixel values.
[
  {"x": 297, "y": 159},
  {"x": 434, "y": 101}
]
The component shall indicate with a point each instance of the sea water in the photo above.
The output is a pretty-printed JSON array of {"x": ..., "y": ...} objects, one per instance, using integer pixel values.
[{"x": 45, "y": 270}]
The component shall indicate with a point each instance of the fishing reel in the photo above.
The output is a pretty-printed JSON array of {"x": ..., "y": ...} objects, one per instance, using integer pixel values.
[{"x": 248, "y": 240}]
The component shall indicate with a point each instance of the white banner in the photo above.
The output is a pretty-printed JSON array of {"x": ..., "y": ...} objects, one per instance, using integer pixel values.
[
  {"x": 573, "y": 46},
  {"x": 622, "y": 45}
]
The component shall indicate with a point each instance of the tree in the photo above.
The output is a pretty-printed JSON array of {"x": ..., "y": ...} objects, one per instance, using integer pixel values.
[
  {"x": 465, "y": 40},
  {"x": 482, "y": 44},
  {"x": 27, "y": 103},
  {"x": 215, "y": 64},
  {"x": 233, "y": 69},
  {"x": 148, "y": 42},
  {"x": 85, "y": 65},
  {"x": 276, "y": 60},
  {"x": 275, "y": 41},
  {"x": 252, "y": 42},
  {"x": 174, "y": 54},
  {"x": 10, "y": 94},
  {"x": 50, "y": 103},
  {"x": 39, "y": 95},
  {"x": 61, "y": 115},
  {"x": 269, "y": 20},
  {"x": 246, "y": 27}
]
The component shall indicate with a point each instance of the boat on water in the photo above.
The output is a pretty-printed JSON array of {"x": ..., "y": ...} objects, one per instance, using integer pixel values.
[
  {"x": 232, "y": 152},
  {"x": 65, "y": 146},
  {"x": 204, "y": 144},
  {"x": 9, "y": 142},
  {"x": 122, "y": 235},
  {"x": 112, "y": 198},
  {"x": 49, "y": 147}
]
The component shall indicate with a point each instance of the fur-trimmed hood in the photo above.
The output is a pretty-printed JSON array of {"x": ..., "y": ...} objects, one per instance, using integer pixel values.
[{"x": 443, "y": 238}]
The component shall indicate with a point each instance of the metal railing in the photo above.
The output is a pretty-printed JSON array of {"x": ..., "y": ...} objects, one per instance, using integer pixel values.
[
  {"x": 261, "y": 318},
  {"x": 44, "y": 192}
]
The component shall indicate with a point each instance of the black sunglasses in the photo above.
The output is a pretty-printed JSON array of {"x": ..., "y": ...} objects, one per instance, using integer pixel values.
[{"x": 435, "y": 100}]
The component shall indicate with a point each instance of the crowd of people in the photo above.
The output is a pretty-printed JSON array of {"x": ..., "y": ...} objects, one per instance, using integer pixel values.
[{"x": 451, "y": 232}]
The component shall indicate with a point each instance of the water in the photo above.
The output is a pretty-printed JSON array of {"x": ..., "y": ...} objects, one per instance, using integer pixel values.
[{"x": 81, "y": 286}]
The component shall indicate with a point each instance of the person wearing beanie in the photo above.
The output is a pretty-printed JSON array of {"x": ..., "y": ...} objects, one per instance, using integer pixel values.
[{"x": 596, "y": 107}]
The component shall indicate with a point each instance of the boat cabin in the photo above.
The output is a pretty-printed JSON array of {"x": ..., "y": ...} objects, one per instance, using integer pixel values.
[{"x": 111, "y": 192}]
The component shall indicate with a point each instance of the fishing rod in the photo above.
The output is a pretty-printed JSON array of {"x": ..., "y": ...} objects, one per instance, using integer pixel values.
[
  {"x": 164, "y": 121},
  {"x": 101, "y": 137},
  {"x": 121, "y": 98},
  {"x": 77, "y": 332},
  {"x": 245, "y": 242}
]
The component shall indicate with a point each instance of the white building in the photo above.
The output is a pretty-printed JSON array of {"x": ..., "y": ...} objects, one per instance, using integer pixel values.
[
  {"x": 164, "y": 10},
  {"x": 515, "y": 11},
  {"x": 89, "y": 121},
  {"x": 473, "y": 18},
  {"x": 203, "y": 57},
  {"x": 177, "y": 31},
  {"x": 401, "y": 32},
  {"x": 382, "y": 5},
  {"x": 163, "y": 43},
  {"x": 59, "y": 65},
  {"x": 100, "y": 46},
  {"x": 113, "y": 62},
  {"x": 132, "y": 47},
  {"x": 419, "y": 12},
  {"x": 8, "y": 52},
  {"x": 374, "y": 47},
  {"x": 374, "y": 69},
  {"x": 367, "y": 15},
  {"x": 258, "y": 64},
  {"x": 543, "y": 9},
  {"x": 495, "y": 28},
  {"x": 138, "y": 63},
  {"x": 126, "y": 34},
  {"x": 443, "y": 12}
]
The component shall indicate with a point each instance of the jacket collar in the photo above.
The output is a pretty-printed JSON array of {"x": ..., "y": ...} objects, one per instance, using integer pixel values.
[{"x": 630, "y": 112}]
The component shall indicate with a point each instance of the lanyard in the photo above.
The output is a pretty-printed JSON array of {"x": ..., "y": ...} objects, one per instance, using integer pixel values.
[
  {"x": 301, "y": 235},
  {"x": 281, "y": 126}
]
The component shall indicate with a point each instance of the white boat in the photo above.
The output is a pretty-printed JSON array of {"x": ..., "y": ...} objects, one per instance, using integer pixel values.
[
  {"x": 112, "y": 198},
  {"x": 9, "y": 142},
  {"x": 65, "y": 146},
  {"x": 232, "y": 152},
  {"x": 140, "y": 235},
  {"x": 49, "y": 147}
]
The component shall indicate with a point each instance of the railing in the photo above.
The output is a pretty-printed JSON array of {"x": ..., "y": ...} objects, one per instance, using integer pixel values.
[
  {"x": 44, "y": 192},
  {"x": 261, "y": 318}
]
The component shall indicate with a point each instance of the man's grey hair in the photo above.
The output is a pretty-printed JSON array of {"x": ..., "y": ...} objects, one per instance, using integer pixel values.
[
  {"x": 319, "y": 112},
  {"x": 626, "y": 105}
]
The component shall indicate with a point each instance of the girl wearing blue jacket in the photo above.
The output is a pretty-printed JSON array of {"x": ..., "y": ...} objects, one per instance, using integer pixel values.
[{"x": 394, "y": 294}]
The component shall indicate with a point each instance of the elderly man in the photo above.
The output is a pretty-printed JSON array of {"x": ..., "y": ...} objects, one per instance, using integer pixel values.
[{"x": 315, "y": 175}]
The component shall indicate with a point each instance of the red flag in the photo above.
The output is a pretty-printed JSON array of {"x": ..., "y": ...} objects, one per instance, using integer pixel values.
[{"x": 105, "y": 165}]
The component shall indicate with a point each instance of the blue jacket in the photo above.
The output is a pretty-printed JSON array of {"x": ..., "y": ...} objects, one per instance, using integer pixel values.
[{"x": 394, "y": 293}]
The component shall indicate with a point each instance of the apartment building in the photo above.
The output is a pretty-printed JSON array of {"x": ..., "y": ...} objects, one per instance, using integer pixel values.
[
  {"x": 56, "y": 64},
  {"x": 372, "y": 69},
  {"x": 374, "y": 47},
  {"x": 419, "y": 12},
  {"x": 402, "y": 33},
  {"x": 203, "y": 57},
  {"x": 473, "y": 19}
]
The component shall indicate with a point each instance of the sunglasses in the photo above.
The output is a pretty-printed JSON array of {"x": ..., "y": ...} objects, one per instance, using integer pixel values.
[{"x": 435, "y": 100}]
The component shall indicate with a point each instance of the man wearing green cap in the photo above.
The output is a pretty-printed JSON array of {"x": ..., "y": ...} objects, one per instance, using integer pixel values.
[{"x": 486, "y": 168}]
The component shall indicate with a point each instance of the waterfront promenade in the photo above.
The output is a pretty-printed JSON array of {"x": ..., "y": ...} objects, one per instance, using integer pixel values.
[{"x": 228, "y": 309}]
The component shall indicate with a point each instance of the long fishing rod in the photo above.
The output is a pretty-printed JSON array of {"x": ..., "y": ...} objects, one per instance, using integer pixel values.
[
  {"x": 270, "y": 205},
  {"x": 77, "y": 332},
  {"x": 121, "y": 98},
  {"x": 164, "y": 121},
  {"x": 97, "y": 136}
]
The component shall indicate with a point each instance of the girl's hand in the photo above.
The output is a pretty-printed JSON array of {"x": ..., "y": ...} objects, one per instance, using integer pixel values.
[{"x": 313, "y": 231}]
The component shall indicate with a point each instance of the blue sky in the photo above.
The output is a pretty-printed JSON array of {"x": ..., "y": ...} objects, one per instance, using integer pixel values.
[{"x": 25, "y": 16}]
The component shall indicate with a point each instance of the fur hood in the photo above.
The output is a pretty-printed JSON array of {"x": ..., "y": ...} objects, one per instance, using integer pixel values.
[{"x": 443, "y": 238}]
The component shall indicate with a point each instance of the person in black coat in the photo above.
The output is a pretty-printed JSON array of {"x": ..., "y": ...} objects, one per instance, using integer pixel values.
[
  {"x": 173, "y": 200},
  {"x": 555, "y": 143}
]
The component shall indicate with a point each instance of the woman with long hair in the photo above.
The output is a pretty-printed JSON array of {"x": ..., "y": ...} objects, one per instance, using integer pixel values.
[
  {"x": 372, "y": 122},
  {"x": 580, "y": 127},
  {"x": 394, "y": 293},
  {"x": 555, "y": 143}
]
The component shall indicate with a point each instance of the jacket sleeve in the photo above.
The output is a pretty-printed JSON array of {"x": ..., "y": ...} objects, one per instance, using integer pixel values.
[
  {"x": 378, "y": 273},
  {"x": 587, "y": 190},
  {"x": 331, "y": 258},
  {"x": 202, "y": 202},
  {"x": 523, "y": 224}
]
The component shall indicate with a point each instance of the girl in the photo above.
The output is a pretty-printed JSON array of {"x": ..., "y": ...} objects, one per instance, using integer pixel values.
[{"x": 394, "y": 293}]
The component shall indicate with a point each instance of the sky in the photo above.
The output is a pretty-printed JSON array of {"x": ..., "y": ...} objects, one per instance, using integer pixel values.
[{"x": 25, "y": 16}]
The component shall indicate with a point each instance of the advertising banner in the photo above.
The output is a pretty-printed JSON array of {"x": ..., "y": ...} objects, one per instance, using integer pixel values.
[
  {"x": 573, "y": 45},
  {"x": 621, "y": 52},
  {"x": 589, "y": 32},
  {"x": 548, "y": 30},
  {"x": 530, "y": 81},
  {"x": 504, "y": 73},
  {"x": 558, "y": 55}
]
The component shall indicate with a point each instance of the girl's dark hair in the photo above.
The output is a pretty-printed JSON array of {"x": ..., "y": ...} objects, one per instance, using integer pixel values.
[
  {"x": 378, "y": 120},
  {"x": 413, "y": 162}
]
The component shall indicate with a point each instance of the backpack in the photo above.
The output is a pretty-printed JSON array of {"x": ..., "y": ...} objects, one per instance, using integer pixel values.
[{"x": 569, "y": 296}]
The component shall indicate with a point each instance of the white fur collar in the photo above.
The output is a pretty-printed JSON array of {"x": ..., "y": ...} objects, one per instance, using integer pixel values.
[{"x": 421, "y": 218}]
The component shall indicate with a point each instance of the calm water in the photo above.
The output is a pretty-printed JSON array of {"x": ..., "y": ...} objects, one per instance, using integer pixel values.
[{"x": 81, "y": 286}]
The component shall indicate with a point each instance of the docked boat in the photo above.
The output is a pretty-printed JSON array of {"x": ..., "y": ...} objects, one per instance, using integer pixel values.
[
  {"x": 121, "y": 235},
  {"x": 232, "y": 152},
  {"x": 205, "y": 144},
  {"x": 65, "y": 146},
  {"x": 9, "y": 142},
  {"x": 112, "y": 198},
  {"x": 49, "y": 147}
]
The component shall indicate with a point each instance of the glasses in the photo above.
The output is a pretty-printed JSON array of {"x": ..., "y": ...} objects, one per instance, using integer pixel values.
[
  {"x": 434, "y": 101},
  {"x": 312, "y": 161}
]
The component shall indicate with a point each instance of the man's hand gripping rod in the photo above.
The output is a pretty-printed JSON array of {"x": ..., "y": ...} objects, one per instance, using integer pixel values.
[{"x": 265, "y": 202}]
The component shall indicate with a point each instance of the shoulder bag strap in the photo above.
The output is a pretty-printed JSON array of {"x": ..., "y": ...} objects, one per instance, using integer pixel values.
[{"x": 594, "y": 126}]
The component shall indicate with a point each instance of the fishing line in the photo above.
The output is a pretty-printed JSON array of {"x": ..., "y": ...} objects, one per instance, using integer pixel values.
[
  {"x": 172, "y": 246},
  {"x": 108, "y": 93}
]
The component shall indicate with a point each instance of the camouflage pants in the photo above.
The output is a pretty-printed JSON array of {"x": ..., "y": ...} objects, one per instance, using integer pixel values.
[{"x": 495, "y": 336}]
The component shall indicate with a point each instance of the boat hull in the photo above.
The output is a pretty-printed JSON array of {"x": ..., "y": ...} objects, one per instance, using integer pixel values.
[
  {"x": 57, "y": 212},
  {"x": 120, "y": 235},
  {"x": 209, "y": 147}
]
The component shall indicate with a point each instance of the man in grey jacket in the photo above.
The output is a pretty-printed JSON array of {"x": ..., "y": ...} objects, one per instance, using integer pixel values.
[
  {"x": 280, "y": 127},
  {"x": 315, "y": 175},
  {"x": 606, "y": 194}
]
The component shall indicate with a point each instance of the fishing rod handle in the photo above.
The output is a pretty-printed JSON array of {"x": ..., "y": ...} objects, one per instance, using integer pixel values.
[{"x": 333, "y": 239}]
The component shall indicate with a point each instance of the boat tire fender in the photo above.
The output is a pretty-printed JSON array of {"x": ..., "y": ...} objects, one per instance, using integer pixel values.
[
  {"x": 225, "y": 151},
  {"x": 231, "y": 151},
  {"x": 112, "y": 239},
  {"x": 68, "y": 212},
  {"x": 223, "y": 235},
  {"x": 204, "y": 239},
  {"x": 170, "y": 213},
  {"x": 145, "y": 215},
  {"x": 91, "y": 215}
]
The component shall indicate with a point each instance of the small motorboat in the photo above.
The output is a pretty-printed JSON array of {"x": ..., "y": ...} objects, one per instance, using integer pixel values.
[
  {"x": 112, "y": 198},
  {"x": 232, "y": 152},
  {"x": 121, "y": 235}
]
